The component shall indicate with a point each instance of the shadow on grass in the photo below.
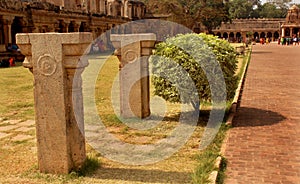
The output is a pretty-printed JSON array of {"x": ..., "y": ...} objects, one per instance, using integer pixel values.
[
  {"x": 250, "y": 117},
  {"x": 202, "y": 119},
  {"x": 141, "y": 175}
]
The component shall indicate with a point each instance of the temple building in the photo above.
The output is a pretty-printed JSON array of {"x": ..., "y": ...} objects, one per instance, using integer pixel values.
[
  {"x": 39, "y": 16},
  {"x": 291, "y": 26},
  {"x": 239, "y": 29},
  {"x": 99, "y": 16},
  {"x": 274, "y": 28}
]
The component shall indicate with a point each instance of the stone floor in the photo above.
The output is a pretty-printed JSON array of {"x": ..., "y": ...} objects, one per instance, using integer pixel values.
[
  {"x": 16, "y": 130},
  {"x": 264, "y": 145}
]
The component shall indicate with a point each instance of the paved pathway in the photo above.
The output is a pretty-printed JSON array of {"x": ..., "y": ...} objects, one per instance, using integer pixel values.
[
  {"x": 16, "y": 130},
  {"x": 264, "y": 145}
]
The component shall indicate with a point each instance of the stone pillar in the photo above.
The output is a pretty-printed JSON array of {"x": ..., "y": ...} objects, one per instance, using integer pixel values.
[
  {"x": 244, "y": 35},
  {"x": 53, "y": 58},
  {"x": 76, "y": 25},
  {"x": 130, "y": 10},
  {"x": 133, "y": 51},
  {"x": 282, "y": 32},
  {"x": 7, "y": 20},
  {"x": 92, "y": 6},
  {"x": 125, "y": 8},
  {"x": 102, "y": 7}
]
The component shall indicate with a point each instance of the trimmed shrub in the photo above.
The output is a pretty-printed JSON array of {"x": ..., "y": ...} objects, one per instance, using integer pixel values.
[{"x": 173, "y": 68}]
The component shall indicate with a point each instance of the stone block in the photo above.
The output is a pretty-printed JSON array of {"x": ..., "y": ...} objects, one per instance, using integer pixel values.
[
  {"x": 133, "y": 51},
  {"x": 54, "y": 58}
]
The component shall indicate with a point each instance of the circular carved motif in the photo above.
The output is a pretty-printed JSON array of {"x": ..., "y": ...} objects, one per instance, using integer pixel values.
[
  {"x": 130, "y": 56},
  {"x": 46, "y": 65}
]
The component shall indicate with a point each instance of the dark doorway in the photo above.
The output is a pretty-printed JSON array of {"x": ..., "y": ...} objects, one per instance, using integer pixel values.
[
  {"x": 225, "y": 36},
  {"x": 16, "y": 27},
  {"x": 276, "y": 35},
  {"x": 71, "y": 27}
]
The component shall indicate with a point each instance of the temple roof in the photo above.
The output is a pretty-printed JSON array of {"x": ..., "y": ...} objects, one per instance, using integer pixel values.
[{"x": 294, "y": 7}]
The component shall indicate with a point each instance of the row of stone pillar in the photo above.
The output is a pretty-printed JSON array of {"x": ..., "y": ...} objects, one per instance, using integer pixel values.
[
  {"x": 244, "y": 35},
  {"x": 59, "y": 26},
  {"x": 7, "y": 25},
  {"x": 290, "y": 31},
  {"x": 54, "y": 58}
]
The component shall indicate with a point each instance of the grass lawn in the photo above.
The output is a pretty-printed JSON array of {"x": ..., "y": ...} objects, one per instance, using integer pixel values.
[{"x": 16, "y": 86}]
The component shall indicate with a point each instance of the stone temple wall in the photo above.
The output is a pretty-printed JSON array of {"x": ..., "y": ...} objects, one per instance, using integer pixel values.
[
  {"x": 39, "y": 16},
  {"x": 239, "y": 29}
]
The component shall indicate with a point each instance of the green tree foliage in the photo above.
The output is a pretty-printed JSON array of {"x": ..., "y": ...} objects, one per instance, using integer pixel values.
[
  {"x": 168, "y": 60},
  {"x": 254, "y": 9},
  {"x": 240, "y": 8},
  {"x": 271, "y": 10},
  {"x": 189, "y": 12}
]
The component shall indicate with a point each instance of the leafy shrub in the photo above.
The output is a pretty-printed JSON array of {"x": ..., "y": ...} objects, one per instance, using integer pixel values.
[{"x": 198, "y": 56}]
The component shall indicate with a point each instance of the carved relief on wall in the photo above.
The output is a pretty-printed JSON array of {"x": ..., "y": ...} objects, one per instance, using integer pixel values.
[
  {"x": 293, "y": 14},
  {"x": 46, "y": 65}
]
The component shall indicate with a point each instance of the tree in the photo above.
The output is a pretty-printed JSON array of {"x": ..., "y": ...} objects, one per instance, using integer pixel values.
[
  {"x": 270, "y": 10},
  {"x": 240, "y": 9},
  {"x": 210, "y": 13}
]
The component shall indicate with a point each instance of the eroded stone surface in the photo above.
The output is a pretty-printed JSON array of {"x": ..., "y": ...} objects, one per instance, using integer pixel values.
[
  {"x": 134, "y": 72},
  {"x": 27, "y": 123},
  {"x": 11, "y": 122},
  {"x": 54, "y": 59},
  {"x": 24, "y": 129},
  {"x": 22, "y": 137},
  {"x": 3, "y": 135},
  {"x": 8, "y": 128}
]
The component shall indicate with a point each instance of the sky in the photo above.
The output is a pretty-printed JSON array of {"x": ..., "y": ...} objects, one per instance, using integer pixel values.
[{"x": 293, "y": 1}]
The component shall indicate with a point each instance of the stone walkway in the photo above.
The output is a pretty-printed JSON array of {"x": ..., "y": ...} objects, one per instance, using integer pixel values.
[
  {"x": 16, "y": 130},
  {"x": 264, "y": 145}
]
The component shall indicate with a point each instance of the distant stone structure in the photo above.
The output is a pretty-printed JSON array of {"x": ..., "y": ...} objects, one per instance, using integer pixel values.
[
  {"x": 40, "y": 16},
  {"x": 291, "y": 26},
  {"x": 239, "y": 29}
]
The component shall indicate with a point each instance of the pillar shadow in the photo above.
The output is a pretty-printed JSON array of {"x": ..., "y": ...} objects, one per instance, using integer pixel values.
[
  {"x": 250, "y": 117},
  {"x": 261, "y": 52},
  {"x": 140, "y": 175},
  {"x": 202, "y": 117}
]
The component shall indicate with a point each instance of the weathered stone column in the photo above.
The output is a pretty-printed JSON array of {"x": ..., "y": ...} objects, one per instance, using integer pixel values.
[
  {"x": 8, "y": 20},
  {"x": 282, "y": 32},
  {"x": 133, "y": 51},
  {"x": 53, "y": 58}
]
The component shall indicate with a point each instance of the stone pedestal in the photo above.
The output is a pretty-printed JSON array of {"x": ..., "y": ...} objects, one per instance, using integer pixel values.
[
  {"x": 133, "y": 51},
  {"x": 53, "y": 58}
]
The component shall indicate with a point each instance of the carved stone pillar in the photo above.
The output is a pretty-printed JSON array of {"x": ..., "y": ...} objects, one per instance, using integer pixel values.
[
  {"x": 7, "y": 21},
  {"x": 53, "y": 58},
  {"x": 133, "y": 51},
  {"x": 92, "y": 6},
  {"x": 283, "y": 32},
  {"x": 125, "y": 8},
  {"x": 102, "y": 7},
  {"x": 130, "y": 16}
]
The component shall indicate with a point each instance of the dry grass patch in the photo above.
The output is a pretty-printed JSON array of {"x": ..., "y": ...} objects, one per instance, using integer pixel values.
[{"x": 19, "y": 159}]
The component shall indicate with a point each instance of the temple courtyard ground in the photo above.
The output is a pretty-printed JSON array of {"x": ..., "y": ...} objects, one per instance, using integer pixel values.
[{"x": 264, "y": 145}]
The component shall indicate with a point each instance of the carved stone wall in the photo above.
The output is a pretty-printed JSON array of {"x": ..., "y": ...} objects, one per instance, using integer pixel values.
[
  {"x": 238, "y": 29},
  {"x": 291, "y": 26},
  {"x": 39, "y": 16}
]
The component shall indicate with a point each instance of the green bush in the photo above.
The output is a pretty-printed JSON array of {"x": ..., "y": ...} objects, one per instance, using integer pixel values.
[{"x": 174, "y": 84}]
